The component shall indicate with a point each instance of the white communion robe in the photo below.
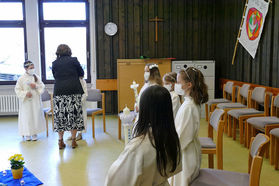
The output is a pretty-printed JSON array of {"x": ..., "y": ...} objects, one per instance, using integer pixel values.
[
  {"x": 143, "y": 88},
  {"x": 187, "y": 123},
  {"x": 31, "y": 118},
  {"x": 137, "y": 165},
  {"x": 175, "y": 103},
  {"x": 83, "y": 103}
]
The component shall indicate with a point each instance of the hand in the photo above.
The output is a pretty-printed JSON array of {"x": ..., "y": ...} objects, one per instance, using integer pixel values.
[
  {"x": 29, "y": 95},
  {"x": 33, "y": 85}
]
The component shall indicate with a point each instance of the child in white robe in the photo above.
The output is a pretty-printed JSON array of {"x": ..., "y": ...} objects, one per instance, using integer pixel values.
[
  {"x": 191, "y": 83},
  {"x": 29, "y": 87},
  {"x": 153, "y": 155},
  {"x": 169, "y": 81},
  {"x": 84, "y": 112},
  {"x": 152, "y": 77}
]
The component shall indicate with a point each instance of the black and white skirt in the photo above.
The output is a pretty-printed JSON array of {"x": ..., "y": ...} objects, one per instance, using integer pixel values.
[{"x": 68, "y": 113}]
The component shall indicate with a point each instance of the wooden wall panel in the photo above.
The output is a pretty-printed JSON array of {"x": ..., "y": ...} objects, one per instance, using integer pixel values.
[
  {"x": 264, "y": 69},
  {"x": 187, "y": 32},
  {"x": 192, "y": 29}
]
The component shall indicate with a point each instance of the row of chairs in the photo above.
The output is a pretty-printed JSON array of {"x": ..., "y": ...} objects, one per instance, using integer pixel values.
[
  {"x": 94, "y": 95},
  {"x": 245, "y": 114}
]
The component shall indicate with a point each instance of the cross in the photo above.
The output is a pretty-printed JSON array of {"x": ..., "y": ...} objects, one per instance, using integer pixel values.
[{"x": 156, "y": 20}]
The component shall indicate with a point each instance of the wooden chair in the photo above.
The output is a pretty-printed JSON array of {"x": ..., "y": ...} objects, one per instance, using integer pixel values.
[
  {"x": 207, "y": 144},
  {"x": 274, "y": 147},
  {"x": 242, "y": 97},
  {"x": 213, "y": 177},
  {"x": 258, "y": 97},
  {"x": 95, "y": 95},
  {"x": 228, "y": 96},
  {"x": 264, "y": 124},
  {"x": 46, "y": 96}
]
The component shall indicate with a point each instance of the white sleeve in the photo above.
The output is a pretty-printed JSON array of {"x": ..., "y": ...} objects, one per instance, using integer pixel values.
[
  {"x": 19, "y": 90},
  {"x": 175, "y": 104},
  {"x": 40, "y": 87},
  {"x": 185, "y": 126},
  {"x": 126, "y": 170},
  {"x": 84, "y": 87}
]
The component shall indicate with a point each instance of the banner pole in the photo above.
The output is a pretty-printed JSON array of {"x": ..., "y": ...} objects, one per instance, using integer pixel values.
[{"x": 239, "y": 31}]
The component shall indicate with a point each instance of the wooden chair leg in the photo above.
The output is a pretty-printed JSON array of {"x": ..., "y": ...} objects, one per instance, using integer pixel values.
[
  {"x": 104, "y": 121},
  {"x": 267, "y": 151},
  {"x": 248, "y": 137},
  {"x": 254, "y": 132},
  {"x": 52, "y": 118},
  {"x": 229, "y": 126},
  {"x": 211, "y": 161},
  {"x": 276, "y": 158},
  {"x": 46, "y": 118},
  {"x": 241, "y": 132},
  {"x": 234, "y": 128},
  {"x": 119, "y": 128},
  {"x": 93, "y": 126},
  {"x": 272, "y": 149},
  {"x": 219, "y": 157},
  {"x": 206, "y": 112},
  {"x": 225, "y": 123}
]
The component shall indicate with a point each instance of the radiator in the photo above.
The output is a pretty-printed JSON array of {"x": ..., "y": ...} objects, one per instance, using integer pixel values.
[{"x": 8, "y": 104}]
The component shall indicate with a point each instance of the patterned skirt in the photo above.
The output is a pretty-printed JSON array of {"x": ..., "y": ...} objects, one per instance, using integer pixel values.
[{"x": 68, "y": 113}]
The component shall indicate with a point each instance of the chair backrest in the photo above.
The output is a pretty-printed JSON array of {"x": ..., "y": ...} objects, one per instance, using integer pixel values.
[
  {"x": 276, "y": 101},
  {"x": 94, "y": 95},
  {"x": 229, "y": 87},
  {"x": 45, "y": 96},
  {"x": 216, "y": 117},
  {"x": 258, "y": 147},
  {"x": 258, "y": 95},
  {"x": 244, "y": 90},
  {"x": 275, "y": 106}
]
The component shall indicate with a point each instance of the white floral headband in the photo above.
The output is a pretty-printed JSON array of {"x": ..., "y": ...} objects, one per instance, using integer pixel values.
[{"x": 152, "y": 66}]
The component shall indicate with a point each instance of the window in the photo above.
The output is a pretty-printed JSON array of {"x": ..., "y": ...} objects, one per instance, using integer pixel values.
[
  {"x": 64, "y": 22},
  {"x": 12, "y": 37}
]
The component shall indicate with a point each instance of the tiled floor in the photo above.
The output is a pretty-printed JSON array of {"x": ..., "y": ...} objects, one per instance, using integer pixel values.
[{"x": 88, "y": 164}]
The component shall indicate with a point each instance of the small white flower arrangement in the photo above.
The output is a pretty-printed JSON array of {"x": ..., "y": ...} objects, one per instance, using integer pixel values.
[{"x": 152, "y": 66}]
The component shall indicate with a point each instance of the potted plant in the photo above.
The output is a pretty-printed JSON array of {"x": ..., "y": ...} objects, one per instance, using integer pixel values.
[{"x": 17, "y": 165}]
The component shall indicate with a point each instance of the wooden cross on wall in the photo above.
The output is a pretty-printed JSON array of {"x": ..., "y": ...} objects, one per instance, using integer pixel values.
[{"x": 156, "y": 20}]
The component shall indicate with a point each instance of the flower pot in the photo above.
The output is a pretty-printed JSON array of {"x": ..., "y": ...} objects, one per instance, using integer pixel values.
[{"x": 17, "y": 173}]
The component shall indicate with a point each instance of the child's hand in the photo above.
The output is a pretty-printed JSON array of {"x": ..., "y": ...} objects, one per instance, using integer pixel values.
[
  {"x": 29, "y": 95},
  {"x": 33, "y": 85}
]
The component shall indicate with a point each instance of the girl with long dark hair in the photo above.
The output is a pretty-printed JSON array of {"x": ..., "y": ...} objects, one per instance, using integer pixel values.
[
  {"x": 153, "y": 155},
  {"x": 191, "y": 84}
]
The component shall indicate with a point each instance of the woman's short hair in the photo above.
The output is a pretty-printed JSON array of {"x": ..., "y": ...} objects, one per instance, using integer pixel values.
[{"x": 63, "y": 50}]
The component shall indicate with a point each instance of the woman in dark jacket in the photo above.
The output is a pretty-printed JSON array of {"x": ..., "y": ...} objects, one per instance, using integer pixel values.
[{"x": 67, "y": 94}]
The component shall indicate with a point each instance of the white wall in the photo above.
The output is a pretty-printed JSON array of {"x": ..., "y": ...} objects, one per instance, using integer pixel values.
[{"x": 33, "y": 44}]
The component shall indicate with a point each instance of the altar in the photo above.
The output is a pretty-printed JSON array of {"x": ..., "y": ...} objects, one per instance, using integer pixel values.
[{"x": 129, "y": 70}]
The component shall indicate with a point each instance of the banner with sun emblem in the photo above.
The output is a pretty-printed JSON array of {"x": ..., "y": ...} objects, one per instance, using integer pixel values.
[{"x": 253, "y": 25}]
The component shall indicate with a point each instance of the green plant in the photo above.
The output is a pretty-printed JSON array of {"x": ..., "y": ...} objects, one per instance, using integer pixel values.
[{"x": 16, "y": 161}]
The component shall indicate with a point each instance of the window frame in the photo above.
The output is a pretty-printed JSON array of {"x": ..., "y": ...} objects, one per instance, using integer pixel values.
[
  {"x": 63, "y": 23},
  {"x": 16, "y": 24}
]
